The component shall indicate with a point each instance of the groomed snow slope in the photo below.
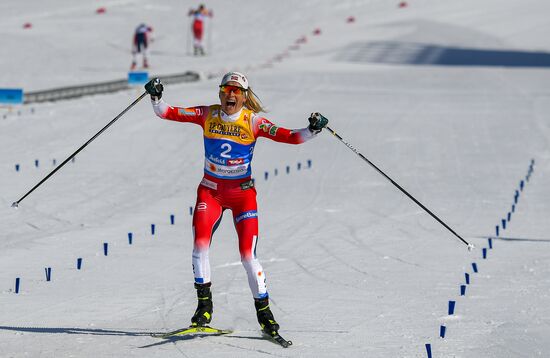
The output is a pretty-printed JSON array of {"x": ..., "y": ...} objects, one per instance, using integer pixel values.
[{"x": 354, "y": 268}]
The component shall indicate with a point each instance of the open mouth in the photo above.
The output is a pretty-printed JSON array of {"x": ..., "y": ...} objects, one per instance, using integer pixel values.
[{"x": 231, "y": 104}]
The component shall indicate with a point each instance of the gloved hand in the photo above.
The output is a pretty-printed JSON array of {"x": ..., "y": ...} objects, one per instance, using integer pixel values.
[
  {"x": 317, "y": 122},
  {"x": 154, "y": 88}
]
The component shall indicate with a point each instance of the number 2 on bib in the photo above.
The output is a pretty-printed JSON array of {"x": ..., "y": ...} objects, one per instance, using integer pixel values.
[{"x": 226, "y": 149}]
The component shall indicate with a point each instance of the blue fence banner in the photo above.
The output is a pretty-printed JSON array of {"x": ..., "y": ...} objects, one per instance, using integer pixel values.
[
  {"x": 11, "y": 95},
  {"x": 138, "y": 78}
]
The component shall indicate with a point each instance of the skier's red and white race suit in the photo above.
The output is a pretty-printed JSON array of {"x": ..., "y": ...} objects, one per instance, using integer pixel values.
[{"x": 229, "y": 142}]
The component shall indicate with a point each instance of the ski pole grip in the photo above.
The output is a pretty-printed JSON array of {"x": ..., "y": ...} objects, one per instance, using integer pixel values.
[{"x": 158, "y": 85}]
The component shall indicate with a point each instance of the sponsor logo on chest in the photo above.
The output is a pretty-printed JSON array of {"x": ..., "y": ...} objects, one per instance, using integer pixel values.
[
  {"x": 216, "y": 160},
  {"x": 235, "y": 161},
  {"x": 269, "y": 128},
  {"x": 232, "y": 130}
]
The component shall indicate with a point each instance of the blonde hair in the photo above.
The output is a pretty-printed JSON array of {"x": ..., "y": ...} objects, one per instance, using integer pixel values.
[{"x": 253, "y": 102}]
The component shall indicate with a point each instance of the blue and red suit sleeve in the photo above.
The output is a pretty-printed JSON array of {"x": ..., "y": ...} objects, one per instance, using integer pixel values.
[
  {"x": 262, "y": 127},
  {"x": 196, "y": 115}
]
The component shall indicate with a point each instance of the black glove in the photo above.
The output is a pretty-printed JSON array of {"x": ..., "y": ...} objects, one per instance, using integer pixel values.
[
  {"x": 154, "y": 88},
  {"x": 317, "y": 122}
]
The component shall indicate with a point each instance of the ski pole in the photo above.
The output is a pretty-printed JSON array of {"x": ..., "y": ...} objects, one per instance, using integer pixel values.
[
  {"x": 470, "y": 246},
  {"x": 16, "y": 203}
]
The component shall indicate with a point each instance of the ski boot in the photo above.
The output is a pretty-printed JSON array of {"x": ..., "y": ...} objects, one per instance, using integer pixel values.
[
  {"x": 145, "y": 64},
  {"x": 133, "y": 67},
  {"x": 270, "y": 327},
  {"x": 203, "y": 313},
  {"x": 265, "y": 316}
]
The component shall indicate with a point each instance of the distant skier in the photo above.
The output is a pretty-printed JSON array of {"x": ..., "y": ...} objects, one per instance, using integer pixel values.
[
  {"x": 199, "y": 16},
  {"x": 140, "y": 43},
  {"x": 230, "y": 130}
]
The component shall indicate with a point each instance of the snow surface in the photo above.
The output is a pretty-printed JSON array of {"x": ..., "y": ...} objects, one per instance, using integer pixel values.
[{"x": 355, "y": 268}]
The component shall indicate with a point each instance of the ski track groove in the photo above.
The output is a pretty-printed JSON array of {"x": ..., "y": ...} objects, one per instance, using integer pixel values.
[
  {"x": 360, "y": 244},
  {"x": 318, "y": 277},
  {"x": 164, "y": 314},
  {"x": 343, "y": 262},
  {"x": 260, "y": 351}
]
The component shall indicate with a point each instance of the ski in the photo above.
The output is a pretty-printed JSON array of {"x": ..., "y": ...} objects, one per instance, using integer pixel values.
[
  {"x": 192, "y": 330},
  {"x": 276, "y": 338}
]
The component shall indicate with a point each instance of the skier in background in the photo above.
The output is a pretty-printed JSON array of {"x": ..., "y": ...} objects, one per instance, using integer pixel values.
[
  {"x": 199, "y": 16},
  {"x": 140, "y": 43},
  {"x": 230, "y": 130}
]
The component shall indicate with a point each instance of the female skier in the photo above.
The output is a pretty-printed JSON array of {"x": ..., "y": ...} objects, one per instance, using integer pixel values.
[
  {"x": 199, "y": 17},
  {"x": 230, "y": 130}
]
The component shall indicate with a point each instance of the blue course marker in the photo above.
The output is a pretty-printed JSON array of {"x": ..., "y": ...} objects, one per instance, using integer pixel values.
[
  {"x": 442, "y": 330},
  {"x": 484, "y": 251},
  {"x": 467, "y": 277},
  {"x": 490, "y": 243},
  {"x": 138, "y": 78},
  {"x": 48, "y": 273},
  {"x": 36, "y": 163},
  {"x": 130, "y": 237},
  {"x": 299, "y": 166},
  {"x": 152, "y": 229},
  {"x": 17, "y": 282},
  {"x": 309, "y": 163},
  {"x": 496, "y": 229},
  {"x": 79, "y": 263},
  {"x": 17, "y": 167},
  {"x": 172, "y": 219},
  {"x": 287, "y": 169},
  {"x": 503, "y": 224},
  {"x": 429, "y": 350},
  {"x": 190, "y": 210},
  {"x": 452, "y": 307},
  {"x": 11, "y": 95},
  {"x": 474, "y": 267},
  {"x": 462, "y": 290},
  {"x": 105, "y": 248},
  {"x": 266, "y": 175}
]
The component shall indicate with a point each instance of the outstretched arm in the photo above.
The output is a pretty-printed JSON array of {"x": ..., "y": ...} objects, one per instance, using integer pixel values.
[
  {"x": 264, "y": 128},
  {"x": 179, "y": 114},
  {"x": 195, "y": 115}
]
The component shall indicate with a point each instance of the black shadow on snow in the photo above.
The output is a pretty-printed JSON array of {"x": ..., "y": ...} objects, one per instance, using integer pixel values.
[
  {"x": 516, "y": 239},
  {"x": 197, "y": 336},
  {"x": 57, "y": 330},
  {"x": 405, "y": 53}
]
